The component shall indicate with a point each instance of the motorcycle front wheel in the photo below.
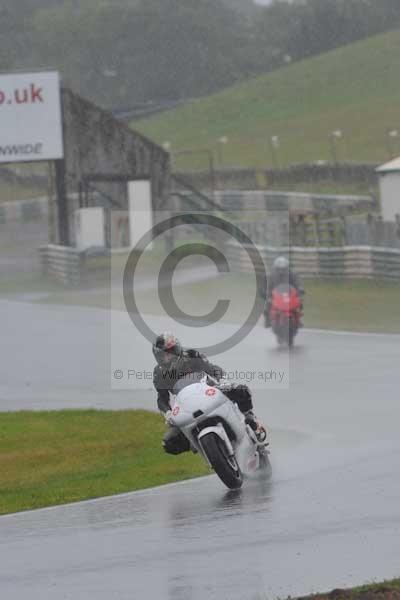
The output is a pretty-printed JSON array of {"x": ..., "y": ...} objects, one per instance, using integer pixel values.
[{"x": 224, "y": 465}]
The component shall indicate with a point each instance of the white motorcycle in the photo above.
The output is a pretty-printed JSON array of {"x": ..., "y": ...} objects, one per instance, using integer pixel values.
[{"x": 216, "y": 428}]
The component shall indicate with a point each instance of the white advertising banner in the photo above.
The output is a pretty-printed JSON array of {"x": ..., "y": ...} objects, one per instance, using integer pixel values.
[{"x": 30, "y": 117}]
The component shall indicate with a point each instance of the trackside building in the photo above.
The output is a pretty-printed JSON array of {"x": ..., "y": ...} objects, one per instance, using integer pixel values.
[{"x": 389, "y": 184}]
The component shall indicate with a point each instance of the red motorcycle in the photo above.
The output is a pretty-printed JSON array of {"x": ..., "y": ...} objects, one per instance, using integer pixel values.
[{"x": 285, "y": 313}]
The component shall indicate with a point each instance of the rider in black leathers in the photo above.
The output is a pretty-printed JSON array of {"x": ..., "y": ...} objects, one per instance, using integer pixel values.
[{"x": 177, "y": 367}]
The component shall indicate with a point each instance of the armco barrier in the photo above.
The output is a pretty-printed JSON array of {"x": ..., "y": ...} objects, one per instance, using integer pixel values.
[
  {"x": 67, "y": 265},
  {"x": 347, "y": 262},
  {"x": 62, "y": 263}
]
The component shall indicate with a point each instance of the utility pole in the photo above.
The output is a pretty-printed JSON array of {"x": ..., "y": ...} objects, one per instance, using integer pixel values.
[
  {"x": 62, "y": 209},
  {"x": 222, "y": 141},
  {"x": 274, "y": 145},
  {"x": 333, "y": 137}
]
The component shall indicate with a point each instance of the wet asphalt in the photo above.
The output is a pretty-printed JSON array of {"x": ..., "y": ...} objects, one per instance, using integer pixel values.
[{"x": 328, "y": 517}]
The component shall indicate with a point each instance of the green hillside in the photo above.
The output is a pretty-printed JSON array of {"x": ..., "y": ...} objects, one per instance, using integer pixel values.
[{"x": 355, "y": 88}]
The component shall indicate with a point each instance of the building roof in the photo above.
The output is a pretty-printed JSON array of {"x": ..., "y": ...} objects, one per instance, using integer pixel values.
[{"x": 392, "y": 166}]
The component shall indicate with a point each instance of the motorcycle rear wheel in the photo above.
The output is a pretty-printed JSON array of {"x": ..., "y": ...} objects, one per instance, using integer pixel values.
[{"x": 225, "y": 466}]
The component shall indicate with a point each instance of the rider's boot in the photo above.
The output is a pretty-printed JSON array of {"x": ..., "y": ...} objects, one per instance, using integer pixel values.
[
  {"x": 267, "y": 320},
  {"x": 256, "y": 426},
  {"x": 300, "y": 317}
]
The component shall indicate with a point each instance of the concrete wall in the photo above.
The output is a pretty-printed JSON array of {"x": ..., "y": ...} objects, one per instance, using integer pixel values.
[{"x": 89, "y": 227}]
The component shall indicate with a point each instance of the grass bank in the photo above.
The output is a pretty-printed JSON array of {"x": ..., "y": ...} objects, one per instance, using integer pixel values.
[
  {"x": 354, "y": 88},
  {"x": 49, "y": 458},
  {"x": 358, "y": 305},
  {"x": 355, "y": 305},
  {"x": 387, "y": 590}
]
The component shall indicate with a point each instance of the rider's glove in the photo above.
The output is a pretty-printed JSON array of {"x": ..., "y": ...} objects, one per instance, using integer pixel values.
[
  {"x": 168, "y": 417},
  {"x": 224, "y": 385},
  {"x": 193, "y": 353}
]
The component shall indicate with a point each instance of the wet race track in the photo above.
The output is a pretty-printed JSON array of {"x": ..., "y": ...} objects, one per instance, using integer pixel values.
[{"x": 329, "y": 516}]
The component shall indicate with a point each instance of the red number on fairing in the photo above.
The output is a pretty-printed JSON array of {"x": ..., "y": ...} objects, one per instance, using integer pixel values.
[{"x": 210, "y": 392}]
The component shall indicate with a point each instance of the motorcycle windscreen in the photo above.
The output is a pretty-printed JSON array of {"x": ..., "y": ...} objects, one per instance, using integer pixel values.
[{"x": 194, "y": 398}]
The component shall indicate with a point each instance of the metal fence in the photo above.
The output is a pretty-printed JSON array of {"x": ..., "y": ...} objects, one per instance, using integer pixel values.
[
  {"x": 296, "y": 202},
  {"x": 245, "y": 178}
]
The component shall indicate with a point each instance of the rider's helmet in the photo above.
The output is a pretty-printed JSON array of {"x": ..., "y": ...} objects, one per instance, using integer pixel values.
[
  {"x": 167, "y": 349},
  {"x": 281, "y": 266}
]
